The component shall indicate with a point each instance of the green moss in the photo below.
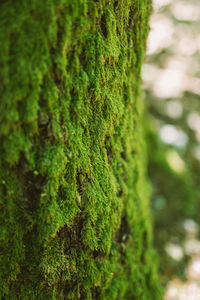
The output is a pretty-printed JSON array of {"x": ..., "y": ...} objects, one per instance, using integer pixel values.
[{"x": 74, "y": 198}]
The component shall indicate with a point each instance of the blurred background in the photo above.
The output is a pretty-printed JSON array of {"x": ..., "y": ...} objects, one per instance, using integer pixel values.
[{"x": 171, "y": 77}]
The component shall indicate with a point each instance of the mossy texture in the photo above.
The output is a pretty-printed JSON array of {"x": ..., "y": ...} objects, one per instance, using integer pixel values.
[{"x": 74, "y": 200}]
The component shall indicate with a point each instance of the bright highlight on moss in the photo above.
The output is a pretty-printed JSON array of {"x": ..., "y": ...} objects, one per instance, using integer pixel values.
[{"x": 74, "y": 198}]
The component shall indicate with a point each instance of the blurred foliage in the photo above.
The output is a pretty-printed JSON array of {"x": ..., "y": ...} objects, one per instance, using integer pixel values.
[{"x": 172, "y": 85}]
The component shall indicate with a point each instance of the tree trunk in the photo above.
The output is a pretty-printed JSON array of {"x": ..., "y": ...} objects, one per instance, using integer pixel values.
[{"x": 74, "y": 200}]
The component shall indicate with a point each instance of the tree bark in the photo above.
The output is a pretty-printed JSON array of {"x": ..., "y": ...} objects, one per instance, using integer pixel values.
[{"x": 74, "y": 198}]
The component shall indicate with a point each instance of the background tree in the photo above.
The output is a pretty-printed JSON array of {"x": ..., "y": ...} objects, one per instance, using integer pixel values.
[{"x": 74, "y": 198}]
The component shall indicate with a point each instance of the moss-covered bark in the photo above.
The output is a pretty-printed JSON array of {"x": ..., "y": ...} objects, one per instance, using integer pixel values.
[{"x": 74, "y": 201}]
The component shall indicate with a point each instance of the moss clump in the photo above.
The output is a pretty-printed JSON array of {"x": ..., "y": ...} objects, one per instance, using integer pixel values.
[{"x": 74, "y": 201}]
